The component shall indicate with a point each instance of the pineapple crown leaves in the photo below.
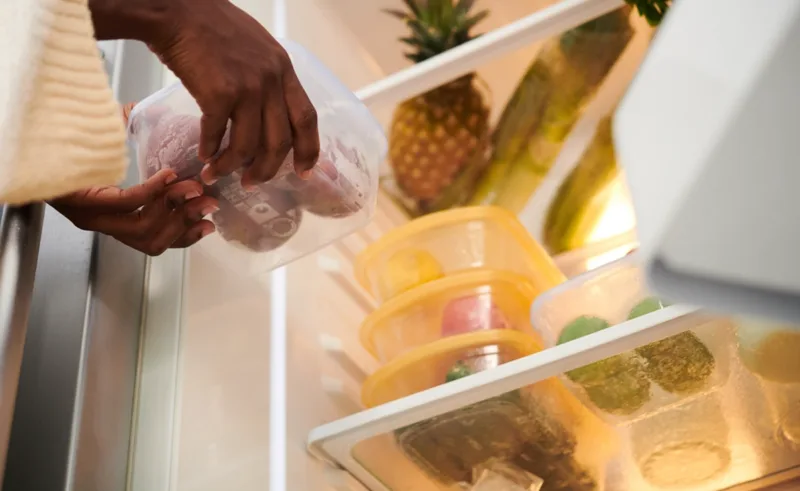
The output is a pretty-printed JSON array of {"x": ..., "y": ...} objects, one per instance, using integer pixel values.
[
  {"x": 437, "y": 25},
  {"x": 652, "y": 10}
]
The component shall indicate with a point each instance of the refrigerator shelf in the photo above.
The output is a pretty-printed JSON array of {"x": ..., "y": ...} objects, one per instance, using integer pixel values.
[
  {"x": 538, "y": 26},
  {"x": 361, "y": 442}
]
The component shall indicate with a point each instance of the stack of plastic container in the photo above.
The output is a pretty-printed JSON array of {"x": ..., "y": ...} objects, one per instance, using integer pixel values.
[{"x": 455, "y": 290}]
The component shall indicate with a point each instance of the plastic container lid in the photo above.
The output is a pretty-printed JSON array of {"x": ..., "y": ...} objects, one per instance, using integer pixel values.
[
  {"x": 452, "y": 241},
  {"x": 430, "y": 365},
  {"x": 458, "y": 304},
  {"x": 641, "y": 382},
  {"x": 287, "y": 217}
]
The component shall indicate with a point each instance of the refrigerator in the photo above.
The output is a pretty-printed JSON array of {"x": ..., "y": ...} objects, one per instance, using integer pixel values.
[{"x": 190, "y": 372}]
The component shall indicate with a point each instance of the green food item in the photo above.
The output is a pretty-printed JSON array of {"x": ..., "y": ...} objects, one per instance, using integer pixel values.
[
  {"x": 459, "y": 370},
  {"x": 512, "y": 427},
  {"x": 622, "y": 394},
  {"x": 578, "y": 204},
  {"x": 546, "y": 104},
  {"x": 616, "y": 385},
  {"x": 652, "y": 10},
  {"x": 680, "y": 364},
  {"x": 646, "y": 306}
]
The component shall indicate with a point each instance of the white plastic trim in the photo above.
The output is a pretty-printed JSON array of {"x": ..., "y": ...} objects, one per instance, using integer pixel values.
[{"x": 464, "y": 59}]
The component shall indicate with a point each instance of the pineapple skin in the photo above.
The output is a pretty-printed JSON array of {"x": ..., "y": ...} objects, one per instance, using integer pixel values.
[{"x": 436, "y": 136}]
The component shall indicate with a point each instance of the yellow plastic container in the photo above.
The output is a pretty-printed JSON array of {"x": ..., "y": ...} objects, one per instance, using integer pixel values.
[
  {"x": 478, "y": 300},
  {"x": 437, "y": 363},
  {"x": 453, "y": 241}
]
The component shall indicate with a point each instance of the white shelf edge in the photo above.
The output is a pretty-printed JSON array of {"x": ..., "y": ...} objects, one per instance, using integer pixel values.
[
  {"x": 334, "y": 442},
  {"x": 464, "y": 59}
]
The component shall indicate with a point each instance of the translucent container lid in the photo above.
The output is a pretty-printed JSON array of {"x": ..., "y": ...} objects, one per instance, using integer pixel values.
[
  {"x": 769, "y": 349},
  {"x": 449, "y": 242},
  {"x": 644, "y": 381},
  {"x": 286, "y": 217},
  {"x": 444, "y": 360},
  {"x": 473, "y": 301}
]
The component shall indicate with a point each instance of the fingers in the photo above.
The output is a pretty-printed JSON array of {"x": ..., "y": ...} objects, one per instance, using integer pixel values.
[
  {"x": 213, "y": 125},
  {"x": 159, "y": 225},
  {"x": 181, "y": 192},
  {"x": 245, "y": 138},
  {"x": 277, "y": 138},
  {"x": 194, "y": 234},
  {"x": 303, "y": 118},
  {"x": 126, "y": 111},
  {"x": 111, "y": 199}
]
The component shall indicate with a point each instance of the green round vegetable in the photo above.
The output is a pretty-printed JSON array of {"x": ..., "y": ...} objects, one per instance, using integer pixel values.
[
  {"x": 618, "y": 384},
  {"x": 646, "y": 306}
]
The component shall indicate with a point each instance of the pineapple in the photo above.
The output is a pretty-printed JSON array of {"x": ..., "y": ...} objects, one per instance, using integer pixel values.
[{"x": 438, "y": 139}]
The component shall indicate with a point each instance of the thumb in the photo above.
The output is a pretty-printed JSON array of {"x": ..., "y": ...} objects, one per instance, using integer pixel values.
[{"x": 115, "y": 200}]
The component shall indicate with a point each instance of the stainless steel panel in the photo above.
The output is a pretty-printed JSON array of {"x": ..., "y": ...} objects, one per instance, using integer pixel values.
[
  {"x": 20, "y": 229},
  {"x": 73, "y": 417}
]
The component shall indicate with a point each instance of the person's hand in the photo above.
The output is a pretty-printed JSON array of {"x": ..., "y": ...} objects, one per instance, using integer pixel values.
[
  {"x": 150, "y": 217},
  {"x": 236, "y": 70}
]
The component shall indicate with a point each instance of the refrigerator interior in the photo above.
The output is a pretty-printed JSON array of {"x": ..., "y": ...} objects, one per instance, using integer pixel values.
[{"x": 254, "y": 382}]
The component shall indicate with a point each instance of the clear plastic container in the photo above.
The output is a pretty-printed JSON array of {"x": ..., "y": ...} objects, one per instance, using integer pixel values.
[
  {"x": 649, "y": 379},
  {"x": 684, "y": 447},
  {"x": 539, "y": 429},
  {"x": 501, "y": 476},
  {"x": 445, "y": 360},
  {"x": 477, "y": 300},
  {"x": 770, "y": 351},
  {"x": 450, "y": 242},
  {"x": 286, "y": 217}
]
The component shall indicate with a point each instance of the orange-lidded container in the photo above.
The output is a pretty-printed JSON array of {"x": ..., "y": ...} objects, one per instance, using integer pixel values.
[
  {"x": 447, "y": 359},
  {"x": 453, "y": 241},
  {"x": 540, "y": 428},
  {"x": 478, "y": 300}
]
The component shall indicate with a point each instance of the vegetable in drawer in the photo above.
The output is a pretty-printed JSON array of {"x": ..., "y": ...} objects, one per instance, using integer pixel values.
[{"x": 618, "y": 384}]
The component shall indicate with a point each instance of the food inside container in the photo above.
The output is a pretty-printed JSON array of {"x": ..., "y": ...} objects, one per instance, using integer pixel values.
[
  {"x": 632, "y": 385},
  {"x": 271, "y": 219},
  {"x": 478, "y": 300},
  {"x": 683, "y": 447},
  {"x": 770, "y": 351},
  {"x": 433, "y": 364},
  {"x": 501, "y": 476},
  {"x": 449, "y": 242},
  {"x": 540, "y": 429}
]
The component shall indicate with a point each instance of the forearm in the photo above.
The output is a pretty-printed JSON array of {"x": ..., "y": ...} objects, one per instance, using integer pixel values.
[{"x": 149, "y": 21}]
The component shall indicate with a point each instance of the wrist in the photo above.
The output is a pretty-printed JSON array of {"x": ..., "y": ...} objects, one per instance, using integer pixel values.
[{"x": 148, "y": 21}]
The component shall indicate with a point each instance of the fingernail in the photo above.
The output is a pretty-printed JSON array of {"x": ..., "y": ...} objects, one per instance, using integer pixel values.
[
  {"x": 306, "y": 174},
  {"x": 206, "y": 232},
  {"x": 207, "y": 175},
  {"x": 209, "y": 210},
  {"x": 170, "y": 179},
  {"x": 191, "y": 195}
]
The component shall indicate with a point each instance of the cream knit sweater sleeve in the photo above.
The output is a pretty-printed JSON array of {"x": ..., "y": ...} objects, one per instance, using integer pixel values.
[{"x": 60, "y": 127}]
